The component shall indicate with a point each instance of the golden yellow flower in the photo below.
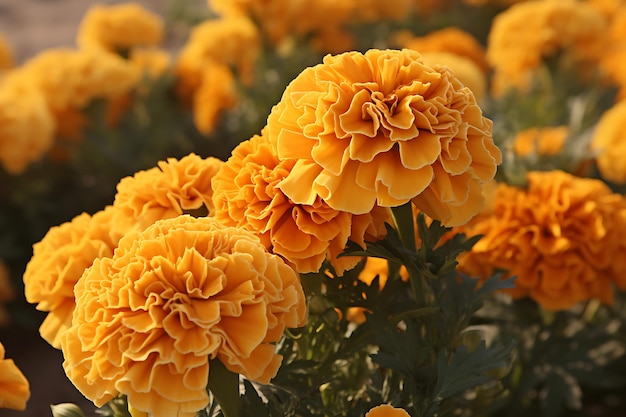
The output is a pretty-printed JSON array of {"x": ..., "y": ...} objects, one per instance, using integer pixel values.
[
  {"x": 386, "y": 410},
  {"x": 609, "y": 144},
  {"x": 246, "y": 194},
  {"x": 562, "y": 237},
  {"x": 182, "y": 292},
  {"x": 72, "y": 79},
  {"x": 383, "y": 128},
  {"x": 26, "y": 124},
  {"x": 540, "y": 140},
  {"x": 174, "y": 187},
  {"x": 119, "y": 27},
  {"x": 14, "y": 387},
  {"x": 613, "y": 57},
  {"x": 451, "y": 40},
  {"x": 6, "y": 55},
  {"x": 524, "y": 34},
  {"x": 216, "y": 94},
  {"x": 464, "y": 69},
  {"x": 59, "y": 260}
]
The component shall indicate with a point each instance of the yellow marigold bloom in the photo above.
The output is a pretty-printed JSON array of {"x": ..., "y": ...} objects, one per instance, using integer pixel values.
[
  {"x": 464, "y": 69},
  {"x": 562, "y": 237},
  {"x": 540, "y": 140},
  {"x": 182, "y": 292},
  {"x": 613, "y": 58},
  {"x": 6, "y": 55},
  {"x": 172, "y": 188},
  {"x": 26, "y": 124},
  {"x": 119, "y": 27},
  {"x": 609, "y": 144},
  {"x": 59, "y": 260},
  {"x": 386, "y": 410},
  {"x": 14, "y": 387},
  {"x": 451, "y": 39},
  {"x": 246, "y": 194},
  {"x": 72, "y": 79},
  {"x": 216, "y": 94},
  {"x": 526, "y": 33},
  {"x": 384, "y": 128},
  {"x": 232, "y": 41}
]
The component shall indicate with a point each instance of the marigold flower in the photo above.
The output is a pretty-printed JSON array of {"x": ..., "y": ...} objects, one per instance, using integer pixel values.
[
  {"x": 387, "y": 410},
  {"x": 59, "y": 260},
  {"x": 613, "y": 57},
  {"x": 14, "y": 387},
  {"x": 524, "y": 34},
  {"x": 451, "y": 40},
  {"x": 26, "y": 124},
  {"x": 540, "y": 140},
  {"x": 216, "y": 93},
  {"x": 172, "y": 297},
  {"x": 246, "y": 194},
  {"x": 383, "y": 128},
  {"x": 609, "y": 144},
  {"x": 6, "y": 55},
  {"x": 464, "y": 69},
  {"x": 119, "y": 27},
  {"x": 172, "y": 188},
  {"x": 561, "y": 237}
]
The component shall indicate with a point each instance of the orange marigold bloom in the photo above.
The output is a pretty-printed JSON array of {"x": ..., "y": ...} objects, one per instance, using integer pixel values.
[
  {"x": 26, "y": 124},
  {"x": 172, "y": 188},
  {"x": 182, "y": 292},
  {"x": 609, "y": 144},
  {"x": 217, "y": 92},
  {"x": 562, "y": 237},
  {"x": 59, "y": 260},
  {"x": 246, "y": 194},
  {"x": 464, "y": 69},
  {"x": 524, "y": 34},
  {"x": 119, "y": 27},
  {"x": 14, "y": 387},
  {"x": 613, "y": 58},
  {"x": 386, "y": 410},
  {"x": 452, "y": 40},
  {"x": 540, "y": 140},
  {"x": 384, "y": 128}
]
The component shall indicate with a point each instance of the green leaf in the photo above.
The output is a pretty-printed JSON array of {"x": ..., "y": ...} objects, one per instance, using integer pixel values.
[
  {"x": 224, "y": 385},
  {"x": 66, "y": 410}
]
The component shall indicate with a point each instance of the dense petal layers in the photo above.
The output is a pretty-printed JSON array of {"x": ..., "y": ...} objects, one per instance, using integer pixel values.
[
  {"x": 562, "y": 237},
  {"x": 184, "y": 291},
  {"x": 383, "y": 128},
  {"x": 59, "y": 260},
  {"x": 174, "y": 187},
  {"x": 14, "y": 387},
  {"x": 246, "y": 194}
]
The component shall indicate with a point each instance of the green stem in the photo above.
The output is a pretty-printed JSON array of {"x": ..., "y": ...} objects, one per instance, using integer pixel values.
[
  {"x": 224, "y": 385},
  {"x": 403, "y": 218}
]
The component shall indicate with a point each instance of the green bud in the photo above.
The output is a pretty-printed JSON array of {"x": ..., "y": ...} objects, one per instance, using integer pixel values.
[{"x": 66, "y": 410}]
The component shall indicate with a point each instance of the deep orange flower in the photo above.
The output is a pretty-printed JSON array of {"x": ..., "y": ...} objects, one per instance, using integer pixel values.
[
  {"x": 119, "y": 27},
  {"x": 59, "y": 260},
  {"x": 609, "y": 144},
  {"x": 172, "y": 188},
  {"x": 524, "y": 34},
  {"x": 540, "y": 140},
  {"x": 14, "y": 387},
  {"x": 562, "y": 237},
  {"x": 217, "y": 93},
  {"x": 386, "y": 410},
  {"x": 26, "y": 124},
  {"x": 182, "y": 292},
  {"x": 246, "y": 194},
  {"x": 383, "y": 128}
]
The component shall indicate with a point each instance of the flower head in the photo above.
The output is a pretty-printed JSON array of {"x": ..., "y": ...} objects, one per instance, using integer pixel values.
[
  {"x": 172, "y": 297},
  {"x": 26, "y": 124},
  {"x": 561, "y": 237},
  {"x": 540, "y": 140},
  {"x": 174, "y": 187},
  {"x": 119, "y": 27},
  {"x": 246, "y": 194},
  {"x": 386, "y": 410},
  {"x": 14, "y": 387},
  {"x": 59, "y": 260},
  {"x": 384, "y": 128}
]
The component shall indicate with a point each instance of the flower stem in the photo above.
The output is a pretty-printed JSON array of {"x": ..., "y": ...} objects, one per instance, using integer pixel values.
[
  {"x": 224, "y": 385},
  {"x": 403, "y": 218}
]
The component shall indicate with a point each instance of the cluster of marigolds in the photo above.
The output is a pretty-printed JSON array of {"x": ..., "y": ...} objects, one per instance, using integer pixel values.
[{"x": 199, "y": 259}]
